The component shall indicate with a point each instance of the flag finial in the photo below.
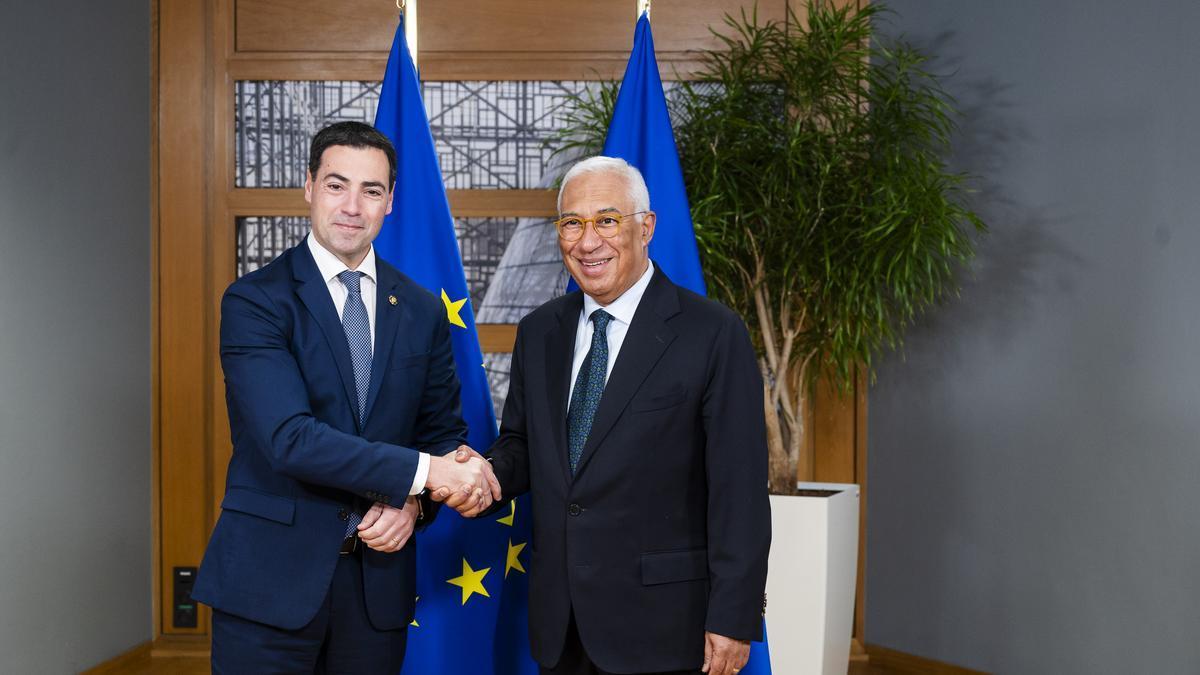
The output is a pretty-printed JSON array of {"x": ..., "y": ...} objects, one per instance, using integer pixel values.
[
  {"x": 408, "y": 12},
  {"x": 643, "y": 7}
]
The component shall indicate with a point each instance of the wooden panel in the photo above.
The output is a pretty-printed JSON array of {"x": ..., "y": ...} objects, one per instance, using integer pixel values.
[
  {"x": 316, "y": 25},
  {"x": 834, "y": 434},
  {"x": 220, "y": 250},
  {"x": 308, "y": 66},
  {"x": 581, "y": 26},
  {"x": 447, "y": 66},
  {"x": 497, "y": 337},
  {"x": 465, "y": 203},
  {"x": 182, "y": 293},
  {"x": 268, "y": 202},
  {"x": 569, "y": 39},
  {"x": 860, "y": 471},
  {"x": 473, "y": 40},
  {"x": 520, "y": 203}
]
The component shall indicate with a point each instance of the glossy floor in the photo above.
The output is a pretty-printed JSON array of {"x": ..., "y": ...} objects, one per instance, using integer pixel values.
[{"x": 194, "y": 665}]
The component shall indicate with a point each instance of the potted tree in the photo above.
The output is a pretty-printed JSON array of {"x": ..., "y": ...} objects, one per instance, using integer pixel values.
[{"x": 826, "y": 215}]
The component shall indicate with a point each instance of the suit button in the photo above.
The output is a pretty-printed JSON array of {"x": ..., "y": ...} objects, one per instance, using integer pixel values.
[
  {"x": 343, "y": 514},
  {"x": 574, "y": 510}
]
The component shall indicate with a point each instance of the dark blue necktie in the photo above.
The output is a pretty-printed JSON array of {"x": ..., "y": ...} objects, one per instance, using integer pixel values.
[
  {"x": 589, "y": 386},
  {"x": 358, "y": 336}
]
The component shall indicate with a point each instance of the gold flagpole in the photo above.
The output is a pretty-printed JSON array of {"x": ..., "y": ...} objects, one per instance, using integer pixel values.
[
  {"x": 409, "y": 9},
  {"x": 642, "y": 6}
]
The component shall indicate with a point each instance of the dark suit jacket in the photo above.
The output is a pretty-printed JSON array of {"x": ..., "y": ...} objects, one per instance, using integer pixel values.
[
  {"x": 663, "y": 532},
  {"x": 300, "y": 460}
]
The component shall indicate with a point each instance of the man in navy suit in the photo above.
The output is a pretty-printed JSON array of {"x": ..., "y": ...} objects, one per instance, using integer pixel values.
[
  {"x": 635, "y": 419},
  {"x": 343, "y": 401}
]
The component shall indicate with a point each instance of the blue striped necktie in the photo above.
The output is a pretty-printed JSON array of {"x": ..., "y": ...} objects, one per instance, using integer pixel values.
[
  {"x": 589, "y": 386},
  {"x": 358, "y": 336}
]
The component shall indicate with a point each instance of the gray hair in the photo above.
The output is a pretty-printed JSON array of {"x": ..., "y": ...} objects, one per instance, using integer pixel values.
[{"x": 635, "y": 184}]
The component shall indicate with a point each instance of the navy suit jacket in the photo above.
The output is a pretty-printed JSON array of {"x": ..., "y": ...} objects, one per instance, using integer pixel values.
[
  {"x": 662, "y": 532},
  {"x": 301, "y": 461}
]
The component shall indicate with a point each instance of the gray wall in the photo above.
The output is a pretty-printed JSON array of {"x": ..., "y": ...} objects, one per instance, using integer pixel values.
[
  {"x": 74, "y": 333},
  {"x": 1034, "y": 503}
]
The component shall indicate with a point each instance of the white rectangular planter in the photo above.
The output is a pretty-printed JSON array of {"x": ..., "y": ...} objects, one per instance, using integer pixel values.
[{"x": 811, "y": 580}]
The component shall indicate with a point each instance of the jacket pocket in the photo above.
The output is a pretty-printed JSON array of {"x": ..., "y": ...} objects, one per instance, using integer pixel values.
[
  {"x": 404, "y": 361},
  {"x": 659, "y": 400},
  {"x": 261, "y": 504},
  {"x": 665, "y": 567}
]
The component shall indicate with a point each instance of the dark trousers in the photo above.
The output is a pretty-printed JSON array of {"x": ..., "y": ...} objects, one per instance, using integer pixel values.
[
  {"x": 575, "y": 661},
  {"x": 339, "y": 640}
]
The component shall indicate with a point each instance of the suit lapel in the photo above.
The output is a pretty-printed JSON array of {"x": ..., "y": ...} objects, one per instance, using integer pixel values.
[
  {"x": 387, "y": 321},
  {"x": 560, "y": 351},
  {"x": 646, "y": 341},
  {"x": 314, "y": 293}
]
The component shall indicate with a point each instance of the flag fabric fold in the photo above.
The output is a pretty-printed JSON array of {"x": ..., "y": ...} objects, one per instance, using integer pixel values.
[
  {"x": 471, "y": 587},
  {"x": 640, "y": 133}
]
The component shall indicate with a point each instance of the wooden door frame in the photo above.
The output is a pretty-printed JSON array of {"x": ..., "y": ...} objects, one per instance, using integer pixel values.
[{"x": 182, "y": 295}]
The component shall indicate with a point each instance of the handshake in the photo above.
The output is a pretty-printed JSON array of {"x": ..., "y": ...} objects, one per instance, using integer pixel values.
[{"x": 464, "y": 481}]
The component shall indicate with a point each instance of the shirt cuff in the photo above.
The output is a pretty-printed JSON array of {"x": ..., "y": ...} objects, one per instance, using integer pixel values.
[{"x": 421, "y": 476}]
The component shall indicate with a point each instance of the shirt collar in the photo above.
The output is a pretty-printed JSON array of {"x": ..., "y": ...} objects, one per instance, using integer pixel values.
[
  {"x": 329, "y": 265},
  {"x": 623, "y": 308}
]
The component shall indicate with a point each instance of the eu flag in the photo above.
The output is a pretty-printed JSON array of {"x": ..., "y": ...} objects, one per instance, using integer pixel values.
[
  {"x": 471, "y": 585},
  {"x": 640, "y": 133}
]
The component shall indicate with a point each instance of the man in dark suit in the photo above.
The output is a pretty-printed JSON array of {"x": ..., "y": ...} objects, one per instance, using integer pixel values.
[
  {"x": 635, "y": 418},
  {"x": 343, "y": 401}
]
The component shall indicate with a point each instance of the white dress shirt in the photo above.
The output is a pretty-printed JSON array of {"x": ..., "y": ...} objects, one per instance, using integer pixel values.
[
  {"x": 330, "y": 267},
  {"x": 622, "y": 310}
]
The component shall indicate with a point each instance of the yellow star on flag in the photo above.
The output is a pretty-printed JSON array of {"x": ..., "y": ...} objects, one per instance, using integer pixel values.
[
  {"x": 512, "y": 514},
  {"x": 471, "y": 581},
  {"x": 414, "y": 621},
  {"x": 514, "y": 558},
  {"x": 453, "y": 307}
]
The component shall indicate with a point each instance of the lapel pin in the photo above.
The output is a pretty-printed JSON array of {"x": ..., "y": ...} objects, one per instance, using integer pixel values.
[{"x": 392, "y": 300}]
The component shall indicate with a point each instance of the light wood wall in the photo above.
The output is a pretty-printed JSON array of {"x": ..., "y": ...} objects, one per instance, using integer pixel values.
[{"x": 204, "y": 46}]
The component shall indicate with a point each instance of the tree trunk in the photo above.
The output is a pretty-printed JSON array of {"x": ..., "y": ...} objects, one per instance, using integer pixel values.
[
  {"x": 802, "y": 469},
  {"x": 781, "y": 475}
]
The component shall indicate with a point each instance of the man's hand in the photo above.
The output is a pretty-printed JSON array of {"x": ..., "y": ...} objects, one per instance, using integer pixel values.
[
  {"x": 387, "y": 528},
  {"x": 723, "y": 655},
  {"x": 463, "y": 480},
  {"x": 468, "y": 504}
]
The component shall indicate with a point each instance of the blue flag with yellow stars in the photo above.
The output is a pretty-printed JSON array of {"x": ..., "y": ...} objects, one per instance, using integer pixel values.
[
  {"x": 640, "y": 133},
  {"x": 471, "y": 586}
]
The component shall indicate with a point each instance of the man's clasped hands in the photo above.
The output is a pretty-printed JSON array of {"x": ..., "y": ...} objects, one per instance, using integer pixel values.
[{"x": 464, "y": 481}]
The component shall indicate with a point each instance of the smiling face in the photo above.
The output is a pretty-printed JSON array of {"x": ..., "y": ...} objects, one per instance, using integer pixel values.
[
  {"x": 603, "y": 267},
  {"x": 348, "y": 199}
]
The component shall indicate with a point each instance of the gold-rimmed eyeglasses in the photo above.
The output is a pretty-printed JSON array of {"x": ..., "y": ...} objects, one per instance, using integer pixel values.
[{"x": 607, "y": 224}]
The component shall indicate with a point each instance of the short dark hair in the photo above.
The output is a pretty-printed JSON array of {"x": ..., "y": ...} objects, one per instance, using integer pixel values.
[{"x": 354, "y": 135}]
